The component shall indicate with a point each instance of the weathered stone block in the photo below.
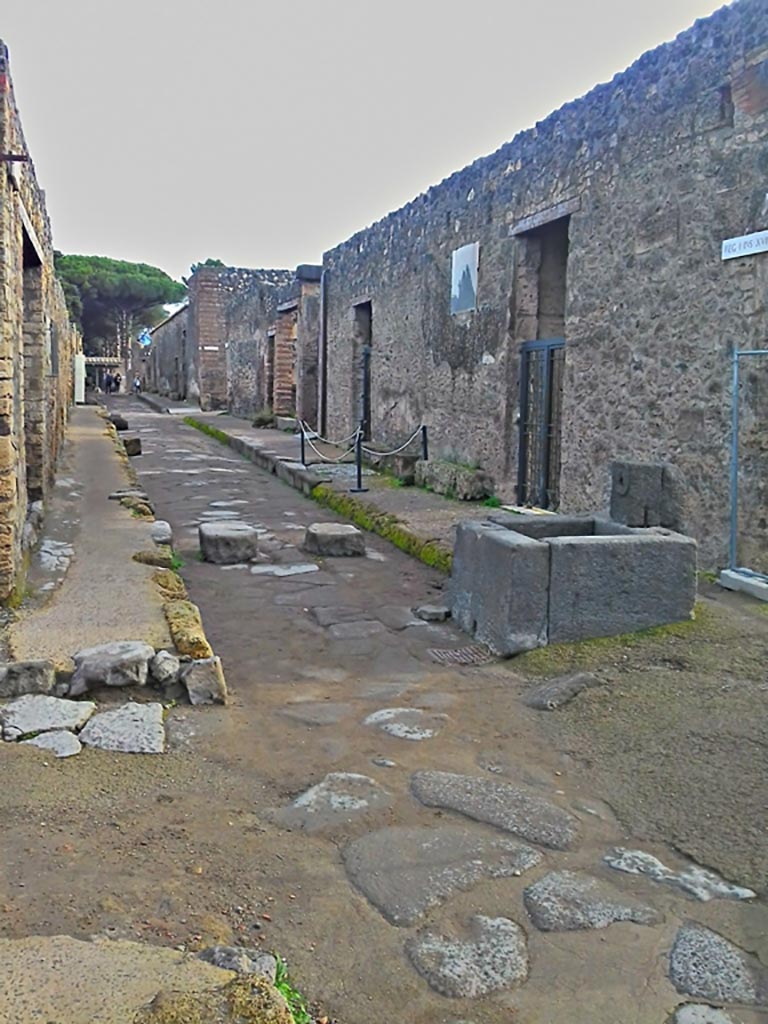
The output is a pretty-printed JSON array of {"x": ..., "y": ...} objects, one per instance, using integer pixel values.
[
  {"x": 334, "y": 539},
  {"x": 20, "y": 677},
  {"x": 204, "y": 680},
  {"x": 132, "y": 445},
  {"x": 228, "y": 543},
  {"x": 118, "y": 421},
  {"x": 647, "y": 494},
  {"x": 466, "y": 483},
  {"x": 121, "y": 663},
  {"x": 603, "y": 586},
  {"x": 39, "y": 713},
  {"x": 161, "y": 532},
  {"x": 130, "y": 729},
  {"x": 499, "y": 587},
  {"x": 164, "y": 668}
]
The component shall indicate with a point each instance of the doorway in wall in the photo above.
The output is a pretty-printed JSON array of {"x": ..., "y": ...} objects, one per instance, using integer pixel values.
[
  {"x": 541, "y": 276},
  {"x": 361, "y": 370}
]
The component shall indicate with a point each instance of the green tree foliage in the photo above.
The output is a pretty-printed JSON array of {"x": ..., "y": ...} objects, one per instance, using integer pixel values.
[
  {"x": 112, "y": 299},
  {"x": 203, "y": 263}
]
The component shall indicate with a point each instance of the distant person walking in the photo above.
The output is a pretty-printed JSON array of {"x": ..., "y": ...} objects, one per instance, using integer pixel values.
[
  {"x": 137, "y": 385},
  {"x": 108, "y": 380},
  {"x": 118, "y": 380}
]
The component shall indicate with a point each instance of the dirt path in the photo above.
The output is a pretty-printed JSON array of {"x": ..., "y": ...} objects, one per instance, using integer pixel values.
[{"x": 197, "y": 846}]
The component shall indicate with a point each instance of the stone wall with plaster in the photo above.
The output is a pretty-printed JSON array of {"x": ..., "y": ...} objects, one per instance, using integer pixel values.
[
  {"x": 637, "y": 184},
  {"x": 169, "y": 369},
  {"x": 37, "y": 340}
]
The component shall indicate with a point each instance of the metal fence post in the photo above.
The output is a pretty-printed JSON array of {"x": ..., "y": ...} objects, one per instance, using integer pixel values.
[
  {"x": 359, "y": 489},
  {"x": 303, "y": 451},
  {"x": 424, "y": 443}
]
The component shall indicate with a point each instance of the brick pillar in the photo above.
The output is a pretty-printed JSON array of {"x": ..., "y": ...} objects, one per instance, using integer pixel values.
[
  {"x": 209, "y": 334},
  {"x": 284, "y": 397}
]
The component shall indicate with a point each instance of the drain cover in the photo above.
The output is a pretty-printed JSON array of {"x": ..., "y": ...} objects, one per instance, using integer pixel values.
[{"x": 476, "y": 654}]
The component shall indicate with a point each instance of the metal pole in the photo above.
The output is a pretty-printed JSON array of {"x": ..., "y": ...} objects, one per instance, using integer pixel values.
[
  {"x": 424, "y": 443},
  {"x": 359, "y": 489},
  {"x": 734, "y": 462},
  {"x": 303, "y": 453}
]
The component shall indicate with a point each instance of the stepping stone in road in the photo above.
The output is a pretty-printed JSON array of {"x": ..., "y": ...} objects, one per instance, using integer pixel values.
[
  {"x": 407, "y": 723},
  {"x": 284, "y": 570},
  {"x": 334, "y": 540},
  {"x": 59, "y": 742},
  {"x": 705, "y": 965},
  {"x": 38, "y": 713},
  {"x": 337, "y": 800},
  {"x": 699, "y": 1013},
  {"x": 703, "y": 885},
  {"x": 495, "y": 957},
  {"x": 405, "y": 870},
  {"x": 563, "y": 901},
  {"x": 226, "y": 543},
  {"x": 497, "y": 803},
  {"x": 130, "y": 729}
]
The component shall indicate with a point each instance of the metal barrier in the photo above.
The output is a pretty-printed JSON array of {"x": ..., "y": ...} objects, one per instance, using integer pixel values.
[{"x": 307, "y": 436}]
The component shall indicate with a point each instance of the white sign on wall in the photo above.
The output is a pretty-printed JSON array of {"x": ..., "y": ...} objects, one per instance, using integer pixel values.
[{"x": 745, "y": 245}]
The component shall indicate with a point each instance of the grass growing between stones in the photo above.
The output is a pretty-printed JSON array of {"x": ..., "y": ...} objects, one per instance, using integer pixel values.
[
  {"x": 559, "y": 658},
  {"x": 206, "y": 428},
  {"x": 296, "y": 1002},
  {"x": 386, "y": 525}
]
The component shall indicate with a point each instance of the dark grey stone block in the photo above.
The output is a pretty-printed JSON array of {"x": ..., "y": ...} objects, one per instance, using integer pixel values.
[
  {"x": 499, "y": 587},
  {"x": 603, "y": 586},
  {"x": 539, "y": 527}
]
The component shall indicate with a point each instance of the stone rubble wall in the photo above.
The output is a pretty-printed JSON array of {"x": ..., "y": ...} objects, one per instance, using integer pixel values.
[
  {"x": 653, "y": 170},
  {"x": 169, "y": 364},
  {"x": 37, "y": 342}
]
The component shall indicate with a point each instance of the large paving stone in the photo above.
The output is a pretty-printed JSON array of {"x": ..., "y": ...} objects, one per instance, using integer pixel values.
[
  {"x": 60, "y": 742},
  {"x": 407, "y": 723},
  {"x": 39, "y": 713},
  {"x": 705, "y": 965},
  {"x": 703, "y": 885},
  {"x": 227, "y": 543},
  {"x": 497, "y": 803},
  {"x": 404, "y": 870},
  {"x": 338, "y": 798},
  {"x": 334, "y": 540},
  {"x": 356, "y": 630},
  {"x": 495, "y": 957},
  {"x": 554, "y": 693},
  {"x": 563, "y": 901},
  {"x": 699, "y": 1013},
  {"x": 130, "y": 729},
  {"x": 120, "y": 663},
  {"x": 20, "y": 677}
]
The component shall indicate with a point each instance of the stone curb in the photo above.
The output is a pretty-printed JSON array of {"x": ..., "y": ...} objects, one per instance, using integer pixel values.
[
  {"x": 362, "y": 513},
  {"x": 153, "y": 401}
]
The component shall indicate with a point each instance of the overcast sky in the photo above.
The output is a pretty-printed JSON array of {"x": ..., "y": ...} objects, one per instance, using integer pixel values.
[{"x": 170, "y": 131}]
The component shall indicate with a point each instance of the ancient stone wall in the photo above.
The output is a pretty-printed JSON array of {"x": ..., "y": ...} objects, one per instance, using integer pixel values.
[
  {"x": 603, "y": 222},
  {"x": 169, "y": 366},
  {"x": 37, "y": 341}
]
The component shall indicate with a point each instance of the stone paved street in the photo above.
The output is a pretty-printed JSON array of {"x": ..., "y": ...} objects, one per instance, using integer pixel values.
[{"x": 417, "y": 841}]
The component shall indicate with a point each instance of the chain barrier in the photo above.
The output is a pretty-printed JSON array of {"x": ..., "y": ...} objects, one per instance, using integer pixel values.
[
  {"x": 313, "y": 434},
  {"x": 395, "y": 451}
]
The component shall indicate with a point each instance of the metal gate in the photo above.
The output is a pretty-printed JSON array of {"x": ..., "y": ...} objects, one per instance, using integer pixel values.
[{"x": 541, "y": 399}]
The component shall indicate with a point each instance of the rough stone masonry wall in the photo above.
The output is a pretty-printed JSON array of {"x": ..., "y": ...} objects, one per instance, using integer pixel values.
[
  {"x": 653, "y": 170},
  {"x": 169, "y": 366},
  {"x": 251, "y": 312},
  {"x": 37, "y": 341}
]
